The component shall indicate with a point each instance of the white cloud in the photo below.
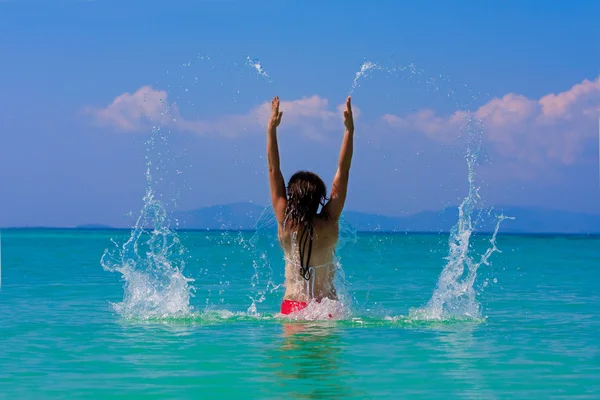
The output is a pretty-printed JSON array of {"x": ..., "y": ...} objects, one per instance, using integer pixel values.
[
  {"x": 426, "y": 121},
  {"x": 555, "y": 127},
  {"x": 130, "y": 112},
  {"x": 133, "y": 112},
  {"x": 523, "y": 132}
]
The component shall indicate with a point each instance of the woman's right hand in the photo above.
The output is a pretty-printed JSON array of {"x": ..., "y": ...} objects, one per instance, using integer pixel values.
[
  {"x": 275, "y": 113},
  {"x": 348, "y": 120}
]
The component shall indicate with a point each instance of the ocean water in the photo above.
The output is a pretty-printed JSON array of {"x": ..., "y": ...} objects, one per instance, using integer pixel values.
[{"x": 69, "y": 330}]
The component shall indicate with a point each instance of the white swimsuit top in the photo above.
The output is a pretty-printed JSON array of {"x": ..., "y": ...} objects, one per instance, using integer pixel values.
[{"x": 314, "y": 266}]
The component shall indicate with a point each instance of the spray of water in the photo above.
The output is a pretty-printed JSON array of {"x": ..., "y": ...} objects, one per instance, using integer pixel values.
[
  {"x": 151, "y": 261},
  {"x": 263, "y": 279},
  {"x": 454, "y": 296},
  {"x": 255, "y": 63},
  {"x": 364, "y": 70},
  {"x": 368, "y": 67}
]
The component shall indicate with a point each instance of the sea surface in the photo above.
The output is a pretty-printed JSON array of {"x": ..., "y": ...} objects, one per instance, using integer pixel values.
[{"x": 131, "y": 324}]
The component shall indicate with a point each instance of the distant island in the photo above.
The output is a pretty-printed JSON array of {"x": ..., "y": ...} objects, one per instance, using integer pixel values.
[
  {"x": 527, "y": 220},
  {"x": 244, "y": 216}
]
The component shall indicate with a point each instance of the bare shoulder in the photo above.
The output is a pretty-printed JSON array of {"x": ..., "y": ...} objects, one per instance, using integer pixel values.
[{"x": 327, "y": 225}]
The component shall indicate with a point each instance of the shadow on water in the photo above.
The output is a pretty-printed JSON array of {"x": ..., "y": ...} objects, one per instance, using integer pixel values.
[{"x": 308, "y": 361}]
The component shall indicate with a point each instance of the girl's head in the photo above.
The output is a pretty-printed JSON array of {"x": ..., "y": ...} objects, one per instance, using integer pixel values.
[{"x": 305, "y": 192}]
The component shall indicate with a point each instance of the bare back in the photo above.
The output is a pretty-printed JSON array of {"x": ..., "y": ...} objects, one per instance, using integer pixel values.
[{"x": 321, "y": 265}]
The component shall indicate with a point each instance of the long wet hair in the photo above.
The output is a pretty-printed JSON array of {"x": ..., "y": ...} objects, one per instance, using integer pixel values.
[{"x": 305, "y": 193}]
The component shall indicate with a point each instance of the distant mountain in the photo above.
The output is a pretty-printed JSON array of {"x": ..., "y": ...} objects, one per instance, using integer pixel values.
[
  {"x": 227, "y": 216},
  {"x": 526, "y": 220}
]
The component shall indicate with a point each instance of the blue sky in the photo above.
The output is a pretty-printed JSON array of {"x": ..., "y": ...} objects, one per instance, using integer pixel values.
[{"x": 82, "y": 83}]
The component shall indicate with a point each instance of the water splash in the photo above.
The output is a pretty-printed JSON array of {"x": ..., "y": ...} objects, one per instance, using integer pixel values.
[
  {"x": 262, "y": 280},
  {"x": 364, "y": 70},
  {"x": 454, "y": 295},
  {"x": 187, "y": 80},
  {"x": 152, "y": 260},
  {"x": 368, "y": 66},
  {"x": 255, "y": 63}
]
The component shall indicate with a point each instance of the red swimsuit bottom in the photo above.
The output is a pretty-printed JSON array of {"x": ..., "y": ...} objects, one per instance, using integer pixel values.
[{"x": 290, "y": 306}]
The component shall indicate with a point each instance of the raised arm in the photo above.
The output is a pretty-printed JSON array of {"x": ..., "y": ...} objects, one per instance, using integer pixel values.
[
  {"x": 278, "y": 196},
  {"x": 335, "y": 205}
]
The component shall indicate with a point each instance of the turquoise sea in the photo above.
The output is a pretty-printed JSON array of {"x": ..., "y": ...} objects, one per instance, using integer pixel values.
[{"x": 528, "y": 327}]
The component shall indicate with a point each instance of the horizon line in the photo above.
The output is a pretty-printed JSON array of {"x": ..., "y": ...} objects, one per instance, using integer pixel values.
[{"x": 406, "y": 232}]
